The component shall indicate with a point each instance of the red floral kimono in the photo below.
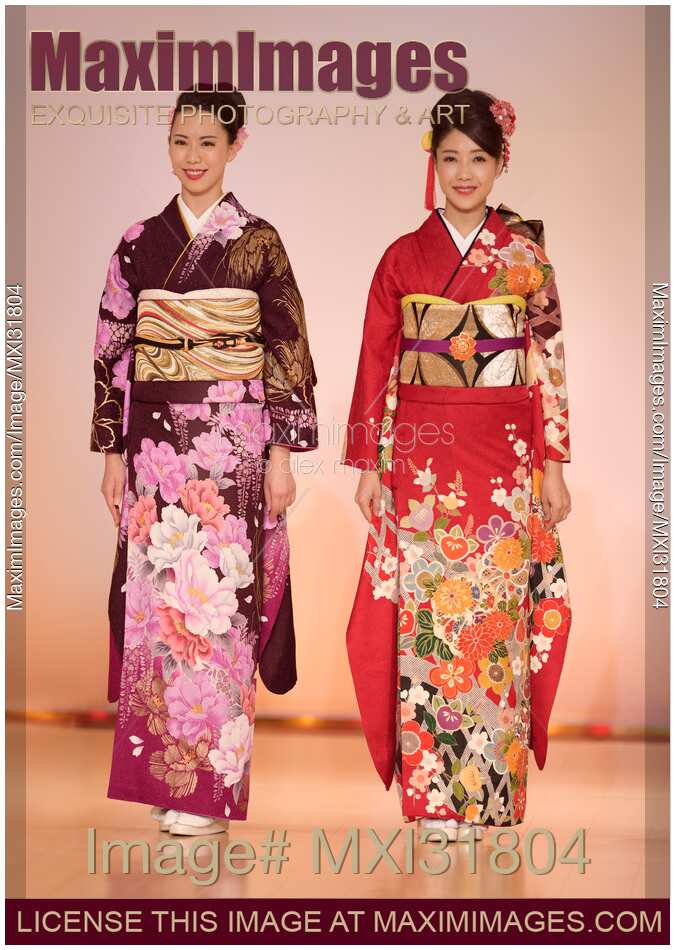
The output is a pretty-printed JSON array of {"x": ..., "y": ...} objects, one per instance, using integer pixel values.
[
  {"x": 459, "y": 627},
  {"x": 201, "y": 362}
]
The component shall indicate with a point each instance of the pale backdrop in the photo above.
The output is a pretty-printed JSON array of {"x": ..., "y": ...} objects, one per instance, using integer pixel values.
[{"x": 339, "y": 196}]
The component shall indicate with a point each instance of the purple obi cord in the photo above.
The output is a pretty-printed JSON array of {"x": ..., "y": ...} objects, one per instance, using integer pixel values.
[{"x": 482, "y": 346}]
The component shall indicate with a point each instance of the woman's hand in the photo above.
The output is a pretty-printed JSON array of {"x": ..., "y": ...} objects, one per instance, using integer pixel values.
[
  {"x": 369, "y": 494},
  {"x": 555, "y": 497},
  {"x": 112, "y": 486},
  {"x": 279, "y": 486}
]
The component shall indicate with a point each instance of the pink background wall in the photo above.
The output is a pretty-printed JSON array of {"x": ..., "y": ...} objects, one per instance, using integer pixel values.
[{"x": 339, "y": 196}]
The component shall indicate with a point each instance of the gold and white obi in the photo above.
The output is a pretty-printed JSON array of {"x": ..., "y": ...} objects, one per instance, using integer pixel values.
[
  {"x": 478, "y": 343},
  {"x": 200, "y": 335}
]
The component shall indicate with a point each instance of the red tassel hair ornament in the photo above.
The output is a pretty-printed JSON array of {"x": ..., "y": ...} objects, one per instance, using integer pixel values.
[{"x": 430, "y": 190}]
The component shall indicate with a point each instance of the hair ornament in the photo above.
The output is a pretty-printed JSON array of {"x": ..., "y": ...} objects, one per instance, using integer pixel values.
[
  {"x": 430, "y": 189},
  {"x": 505, "y": 116},
  {"x": 238, "y": 143}
]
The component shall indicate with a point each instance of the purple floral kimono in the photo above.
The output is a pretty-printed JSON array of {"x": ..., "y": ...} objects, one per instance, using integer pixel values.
[{"x": 201, "y": 363}]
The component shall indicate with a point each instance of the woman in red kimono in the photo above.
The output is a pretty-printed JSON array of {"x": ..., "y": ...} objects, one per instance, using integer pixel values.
[
  {"x": 459, "y": 422},
  {"x": 204, "y": 385}
]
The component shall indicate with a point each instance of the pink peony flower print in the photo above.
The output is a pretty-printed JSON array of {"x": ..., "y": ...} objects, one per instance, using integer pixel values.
[
  {"x": 141, "y": 620},
  {"x": 201, "y": 497},
  {"x": 212, "y": 449},
  {"x": 239, "y": 663},
  {"x": 186, "y": 647},
  {"x": 121, "y": 371},
  {"x": 224, "y": 223},
  {"x": 195, "y": 707},
  {"x": 269, "y": 523},
  {"x": 134, "y": 231},
  {"x": 248, "y": 422},
  {"x": 227, "y": 390},
  {"x": 208, "y": 603},
  {"x": 141, "y": 518},
  {"x": 198, "y": 410},
  {"x": 234, "y": 750},
  {"x": 248, "y": 701},
  {"x": 103, "y": 337},
  {"x": 160, "y": 465},
  {"x": 256, "y": 387},
  {"x": 230, "y": 530},
  {"x": 116, "y": 296}
]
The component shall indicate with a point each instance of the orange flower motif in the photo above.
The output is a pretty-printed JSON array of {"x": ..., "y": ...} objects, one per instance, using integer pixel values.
[
  {"x": 536, "y": 278},
  {"x": 521, "y": 770},
  {"x": 453, "y": 596},
  {"x": 518, "y": 279},
  {"x": 519, "y": 800},
  {"x": 552, "y": 616},
  {"x": 495, "y": 676},
  {"x": 499, "y": 624},
  {"x": 508, "y": 554},
  {"x": 453, "y": 676},
  {"x": 537, "y": 479},
  {"x": 521, "y": 630},
  {"x": 534, "y": 524},
  {"x": 513, "y": 756},
  {"x": 471, "y": 778},
  {"x": 543, "y": 546},
  {"x": 462, "y": 346},
  {"x": 475, "y": 641},
  {"x": 406, "y": 621},
  {"x": 414, "y": 742}
]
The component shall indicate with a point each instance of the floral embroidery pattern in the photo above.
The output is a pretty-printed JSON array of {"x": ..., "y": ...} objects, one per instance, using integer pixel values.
[
  {"x": 224, "y": 224},
  {"x": 190, "y": 633},
  {"x": 478, "y": 609}
]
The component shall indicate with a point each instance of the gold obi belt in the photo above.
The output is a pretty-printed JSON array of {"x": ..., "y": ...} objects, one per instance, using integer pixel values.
[
  {"x": 479, "y": 343},
  {"x": 200, "y": 335}
]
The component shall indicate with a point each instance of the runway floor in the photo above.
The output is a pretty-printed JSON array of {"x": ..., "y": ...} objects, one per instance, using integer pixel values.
[{"x": 304, "y": 781}]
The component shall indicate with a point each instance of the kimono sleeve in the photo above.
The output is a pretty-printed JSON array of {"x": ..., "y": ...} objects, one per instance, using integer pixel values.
[
  {"x": 546, "y": 364},
  {"x": 113, "y": 347},
  {"x": 288, "y": 375},
  {"x": 382, "y": 328}
]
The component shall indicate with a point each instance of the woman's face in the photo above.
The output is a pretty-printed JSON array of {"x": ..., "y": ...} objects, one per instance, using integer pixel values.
[
  {"x": 199, "y": 149},
  {"x": 466, "y": 173}
]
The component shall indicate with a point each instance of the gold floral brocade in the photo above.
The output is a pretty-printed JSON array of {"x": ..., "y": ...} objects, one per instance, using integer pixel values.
[
  {"x": 462, "y": 325},
  {"x": 170, "y": 317}
]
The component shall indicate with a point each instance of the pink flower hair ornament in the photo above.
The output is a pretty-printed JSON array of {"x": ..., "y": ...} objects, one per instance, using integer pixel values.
[
  {"x": 505, "y": 116},
  {"x": 238, "y": 143}
]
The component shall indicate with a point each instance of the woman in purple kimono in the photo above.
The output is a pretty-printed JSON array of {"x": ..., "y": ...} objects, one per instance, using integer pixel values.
[{"x": 204, "y": 384}]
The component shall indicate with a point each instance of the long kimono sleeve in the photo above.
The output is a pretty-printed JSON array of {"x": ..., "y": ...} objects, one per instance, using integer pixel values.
[
  {"x": 113, "y": 349},
  {"x": 288, "y": 375},
  {"x": 546, "y": 362},
  {"x": 382, "y": 328}
]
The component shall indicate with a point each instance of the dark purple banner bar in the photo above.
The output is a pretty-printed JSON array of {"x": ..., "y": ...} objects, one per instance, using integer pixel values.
[{"x": 337, "y": 921}]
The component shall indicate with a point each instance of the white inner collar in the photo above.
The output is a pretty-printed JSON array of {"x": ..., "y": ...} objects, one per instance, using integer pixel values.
[
  {"x": 194, "y": 223},
  {"x": 463, "y": 243}
]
